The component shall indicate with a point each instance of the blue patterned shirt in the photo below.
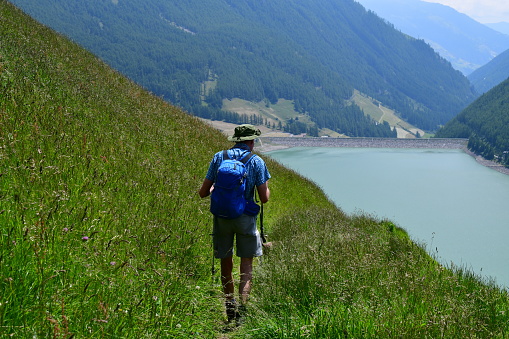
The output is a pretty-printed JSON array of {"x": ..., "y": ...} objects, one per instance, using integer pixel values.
[{"x": 257, "y": 172}]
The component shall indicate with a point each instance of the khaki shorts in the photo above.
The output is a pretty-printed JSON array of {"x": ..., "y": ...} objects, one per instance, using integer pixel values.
[{"x": 243, "y": 228}]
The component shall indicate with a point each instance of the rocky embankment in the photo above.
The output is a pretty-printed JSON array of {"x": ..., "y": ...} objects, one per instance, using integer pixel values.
[{"x": 268, "y": 144}]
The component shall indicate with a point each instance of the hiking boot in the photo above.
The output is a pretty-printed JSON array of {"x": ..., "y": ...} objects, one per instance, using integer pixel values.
[
  {"x": 240, "y": 315},
  {"x": 231, "y": 311}
]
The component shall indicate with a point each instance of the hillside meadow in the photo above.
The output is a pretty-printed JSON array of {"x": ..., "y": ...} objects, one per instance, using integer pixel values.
[{"x": 102, "y": 233}]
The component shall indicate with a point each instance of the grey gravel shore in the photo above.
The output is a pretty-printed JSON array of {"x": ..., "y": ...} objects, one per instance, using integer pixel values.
[{"x": 268, "y": 144}]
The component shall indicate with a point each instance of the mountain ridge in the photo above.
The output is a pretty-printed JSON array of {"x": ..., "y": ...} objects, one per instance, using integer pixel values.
[
  {"x": 502, "y": 27},
  {"x": 490, "y": 75},
  {"x": 313, "y": 54},
  {"x": 485, "y": 123},
  {"x": 466, "y": 43}
]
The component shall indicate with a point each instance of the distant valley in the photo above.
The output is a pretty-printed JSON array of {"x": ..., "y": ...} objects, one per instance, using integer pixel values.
[
  {"x": 490, "y": 75},
  {"x": 464, "y": 42},
  {"x": 200, "y": 55}
]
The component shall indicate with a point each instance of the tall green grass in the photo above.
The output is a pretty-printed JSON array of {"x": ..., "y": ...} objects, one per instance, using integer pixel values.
[
  {"x": 102, "y": 233},
  {"x": 363, "y": 278}
]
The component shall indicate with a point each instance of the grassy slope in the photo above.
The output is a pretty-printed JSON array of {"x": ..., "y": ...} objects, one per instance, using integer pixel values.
[
  {"x": 284, "y": 110},
  {"x": 102, "y": 233},
  {"x": 380, "y": 113}
]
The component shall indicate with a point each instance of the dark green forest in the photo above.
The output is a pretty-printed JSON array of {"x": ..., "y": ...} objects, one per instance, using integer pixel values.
[
  {"x": 485, "y": 123},
  {"x": 313, "y": 53}
]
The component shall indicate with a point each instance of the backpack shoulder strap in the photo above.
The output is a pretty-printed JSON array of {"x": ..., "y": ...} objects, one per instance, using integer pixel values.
[{"x": 247, "y": 157}]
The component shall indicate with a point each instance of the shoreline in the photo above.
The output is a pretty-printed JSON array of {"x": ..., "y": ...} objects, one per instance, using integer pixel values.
[{"x": 269, "y": 144}]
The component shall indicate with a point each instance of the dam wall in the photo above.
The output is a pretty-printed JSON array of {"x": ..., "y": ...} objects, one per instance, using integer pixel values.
[{"x": 362, "y": 142}]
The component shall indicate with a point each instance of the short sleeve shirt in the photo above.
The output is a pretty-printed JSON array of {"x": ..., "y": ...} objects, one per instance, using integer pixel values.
[{"x": 257, "y": 172}]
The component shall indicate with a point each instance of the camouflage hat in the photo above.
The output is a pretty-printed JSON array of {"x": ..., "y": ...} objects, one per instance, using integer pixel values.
[{"x": 245, "y": 132}]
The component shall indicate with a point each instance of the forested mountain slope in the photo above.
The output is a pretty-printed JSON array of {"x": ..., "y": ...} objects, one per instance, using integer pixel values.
[
  {"x": 490, "y": 75},
  {"x": 197, "y": 53},
  {"x": 486, "y": 123},
  {"x": 466, "y": 43},
  {"x": 103, "y": 235}
]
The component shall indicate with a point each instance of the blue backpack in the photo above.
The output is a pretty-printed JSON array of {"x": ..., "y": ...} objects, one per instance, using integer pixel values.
[{"x": 228, "y": 197}]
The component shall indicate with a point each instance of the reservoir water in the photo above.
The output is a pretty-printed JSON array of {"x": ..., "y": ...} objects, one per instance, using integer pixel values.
[{"x": 455, "y": 207}]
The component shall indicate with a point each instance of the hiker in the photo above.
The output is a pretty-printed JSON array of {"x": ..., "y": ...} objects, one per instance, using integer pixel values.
[{"x": 243, "y": 227}]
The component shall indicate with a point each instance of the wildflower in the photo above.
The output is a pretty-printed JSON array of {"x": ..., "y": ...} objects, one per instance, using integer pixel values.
[
  {"x": 113, "y": 263},
  {"x": 65, "y": 229},
  {"x": 84, "y": 238}
]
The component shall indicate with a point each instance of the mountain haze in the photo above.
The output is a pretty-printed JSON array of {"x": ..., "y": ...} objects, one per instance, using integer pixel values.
[
  {"x": 466, "y": 43},
  {"x": 490, "y": 75},
  {"x": 198, "y": 53},
  {"x": 502, "y": 27}
]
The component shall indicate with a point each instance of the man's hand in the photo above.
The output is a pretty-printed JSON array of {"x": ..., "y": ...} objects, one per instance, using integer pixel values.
[
  {"x": 263, "y": 192},
  {"x": 206, "y": 188}
]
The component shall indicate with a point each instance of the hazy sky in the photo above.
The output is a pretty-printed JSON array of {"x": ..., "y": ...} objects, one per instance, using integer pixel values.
[{"x": 485, "y": 11}]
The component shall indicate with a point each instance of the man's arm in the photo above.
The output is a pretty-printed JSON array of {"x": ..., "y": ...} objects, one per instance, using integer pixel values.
[
  {"x": 263, "y": 192},
  {"x": 206, "y": 188}
]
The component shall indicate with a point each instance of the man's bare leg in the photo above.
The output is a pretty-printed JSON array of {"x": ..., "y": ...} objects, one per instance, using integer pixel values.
[
  {"x": 228, "y": 287},
  {"x": 246, "y": 275},
  {"x": 227, "y": 277}
]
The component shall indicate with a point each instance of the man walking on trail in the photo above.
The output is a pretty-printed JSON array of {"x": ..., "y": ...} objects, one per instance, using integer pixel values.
[{"x": 243, "y": 227}]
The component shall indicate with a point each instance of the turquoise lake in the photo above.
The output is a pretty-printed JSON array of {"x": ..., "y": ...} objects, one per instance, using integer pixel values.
[{"x": 455, "y": 207}]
